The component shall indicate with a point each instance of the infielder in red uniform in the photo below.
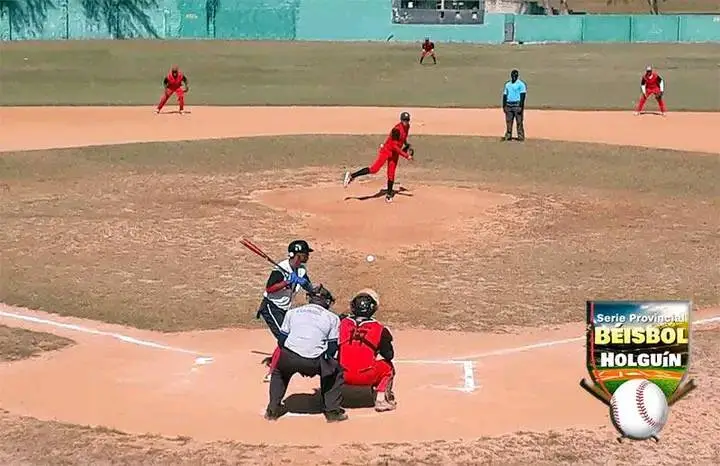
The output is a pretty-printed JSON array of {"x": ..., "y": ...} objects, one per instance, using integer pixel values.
[
  {"x": 175, "y": 83},
  {"x": 362, "y": 339},
  {"x": 651, "y": 84},
  {"x": 394, "y": 147},
  {"x": 428, "y": 48}
]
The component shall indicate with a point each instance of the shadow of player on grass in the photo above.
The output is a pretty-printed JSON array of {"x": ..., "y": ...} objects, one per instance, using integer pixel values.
[
  {"x": 400, "y": 191},
  {"x": 311, "y": 403}
]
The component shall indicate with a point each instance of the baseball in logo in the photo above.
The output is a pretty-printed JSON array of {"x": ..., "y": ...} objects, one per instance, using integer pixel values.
[{"x": 638, "y": 356}]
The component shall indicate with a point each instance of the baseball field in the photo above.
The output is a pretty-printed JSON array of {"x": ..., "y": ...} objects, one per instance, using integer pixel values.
[{"x": 128, "y": 331}]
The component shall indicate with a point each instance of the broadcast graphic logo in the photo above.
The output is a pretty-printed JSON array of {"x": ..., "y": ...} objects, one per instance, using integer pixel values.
[{"x": 638, "y": 355}]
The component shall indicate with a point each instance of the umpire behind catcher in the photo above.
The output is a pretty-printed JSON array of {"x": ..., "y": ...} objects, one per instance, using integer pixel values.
[
  {"x": 309, "y": 344},
  {"x": 514, "y": 105}
]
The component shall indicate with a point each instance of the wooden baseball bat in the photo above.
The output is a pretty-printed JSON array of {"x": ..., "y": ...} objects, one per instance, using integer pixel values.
[
  {"x": 595, "y": 391},
  {"x": 255, "y": 249},
  {"x": 682, "y": 392}
]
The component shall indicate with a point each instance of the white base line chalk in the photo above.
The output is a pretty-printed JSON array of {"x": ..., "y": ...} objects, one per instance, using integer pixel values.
[
  {"x": 199, "y": 360},
  {"x": 547, "y": 344},
  {"x": 469, "y": 377}
]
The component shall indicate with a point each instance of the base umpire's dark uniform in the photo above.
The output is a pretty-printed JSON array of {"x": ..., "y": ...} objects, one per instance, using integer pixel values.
[{"x": 309, "y": 344}]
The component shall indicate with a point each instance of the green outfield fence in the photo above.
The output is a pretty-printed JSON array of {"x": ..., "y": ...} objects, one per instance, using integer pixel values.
[{"x": 326, "y": 20}]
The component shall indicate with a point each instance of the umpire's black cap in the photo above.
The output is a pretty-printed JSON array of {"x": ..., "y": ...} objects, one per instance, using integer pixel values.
[
  {"x": 299, "y": 246},
  {"x": 321, "y": 296}
]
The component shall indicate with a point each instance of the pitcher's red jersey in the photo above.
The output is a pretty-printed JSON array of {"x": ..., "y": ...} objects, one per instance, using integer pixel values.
[{"x": 403, "y": 135}]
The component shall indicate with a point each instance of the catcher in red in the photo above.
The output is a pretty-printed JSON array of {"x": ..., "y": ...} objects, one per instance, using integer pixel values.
[
  {"x": 394, "y": 147},
  {"x": 652, "y": 84},
  {"x": 175, "y": 83},
  {"x": 362, "y": 340},
  {"x": 428, "y": 48}
]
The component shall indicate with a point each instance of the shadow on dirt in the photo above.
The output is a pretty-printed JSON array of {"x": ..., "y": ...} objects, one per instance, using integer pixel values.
[
  {"x": 311, "y": 403},
  {"x": 400, "y": 191}
]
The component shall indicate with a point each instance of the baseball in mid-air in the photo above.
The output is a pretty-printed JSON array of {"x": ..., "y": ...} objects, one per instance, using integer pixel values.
[
  {"x": 639, "y": 409},
  {"x": 370, "y": 258}
]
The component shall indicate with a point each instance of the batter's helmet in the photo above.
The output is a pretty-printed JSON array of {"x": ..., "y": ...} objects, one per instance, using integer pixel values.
[
  {"x": 404, "y": 116},
  {"x": 299, "y": 246},
  {"x": 365, "y": 303},
  {"x": 321, "y": 296}
]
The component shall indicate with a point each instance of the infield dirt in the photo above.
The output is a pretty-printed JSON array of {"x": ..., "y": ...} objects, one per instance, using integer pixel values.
[{"x": 109, "y": 379}]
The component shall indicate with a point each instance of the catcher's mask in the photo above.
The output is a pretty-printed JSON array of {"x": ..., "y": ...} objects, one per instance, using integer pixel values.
[
  {"x": 321, "y": 296},
  {"x": 365, "y": 303}
]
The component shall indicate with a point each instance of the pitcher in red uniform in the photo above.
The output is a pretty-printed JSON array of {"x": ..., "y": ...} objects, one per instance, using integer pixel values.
[
  {"x": 651, "y": 84},
  {"x": 394, "y": 147},
  {"x": 362, "y": 339},
  {"x": 428, "y": 48},
  {"x": 175, "y": 83}
]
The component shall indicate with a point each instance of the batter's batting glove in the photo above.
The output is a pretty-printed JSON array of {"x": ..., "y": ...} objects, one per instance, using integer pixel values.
[
  {"x": 406, "y": 147},
  {"x": 295, "y": 279},
  {"x": 411, "y": 152}
]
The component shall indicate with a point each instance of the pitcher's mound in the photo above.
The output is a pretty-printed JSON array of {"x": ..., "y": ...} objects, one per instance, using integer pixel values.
[{"x": 359, "y": 218}]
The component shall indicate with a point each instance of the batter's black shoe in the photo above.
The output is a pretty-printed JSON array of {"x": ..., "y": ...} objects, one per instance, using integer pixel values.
[
  {"x": 337, "y": 415},
  {"x": 507, "y": 137},
  {"x": 521, "y": 138},
  {"x": 275, "y": 414}
]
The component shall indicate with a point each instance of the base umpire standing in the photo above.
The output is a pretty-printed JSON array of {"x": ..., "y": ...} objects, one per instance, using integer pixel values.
[
  {"x": 514, "y": 105},
  {"x": 308, "y": 347}
]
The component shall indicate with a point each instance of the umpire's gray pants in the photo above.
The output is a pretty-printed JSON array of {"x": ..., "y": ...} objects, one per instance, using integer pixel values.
[{"x": 513, "y": 111}]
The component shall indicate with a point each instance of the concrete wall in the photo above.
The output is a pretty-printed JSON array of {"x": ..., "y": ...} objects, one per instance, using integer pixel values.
[{"x": 323, "y": 20}]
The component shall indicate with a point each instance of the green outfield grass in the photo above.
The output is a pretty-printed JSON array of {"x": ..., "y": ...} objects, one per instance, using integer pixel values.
[
  {"x": 667, "y": 386},
  {"x": 145, "y": 234},
  {"x": 297, "y": 73}
]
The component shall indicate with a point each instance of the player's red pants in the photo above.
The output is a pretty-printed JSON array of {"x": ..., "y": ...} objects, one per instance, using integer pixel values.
[
  {"x": 169, "y": 92},
  {"x": 428, "y": 53},
  {"x": 383, "y": 157},
  {"x": 379, "y": 376},
  {"x": 644, "y": 97}
]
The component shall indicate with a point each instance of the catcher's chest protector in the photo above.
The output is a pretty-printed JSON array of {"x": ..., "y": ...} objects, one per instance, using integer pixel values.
[{"x": 359, "y": 342}]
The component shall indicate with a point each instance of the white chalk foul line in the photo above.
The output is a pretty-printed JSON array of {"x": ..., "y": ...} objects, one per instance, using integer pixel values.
[
  {"x": 199, "y": 358},
  {"x": 547, "y": 344},
  {"x": 469, "y": 384}
]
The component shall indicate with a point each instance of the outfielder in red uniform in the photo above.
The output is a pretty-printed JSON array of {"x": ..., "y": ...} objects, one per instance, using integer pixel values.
[
  {"x": 394, "y": 147},
  {"x": 428, "y": 48},
  {"x": 175, "y": 83},
  {"x": 362, "y": 339},
  {"x": 651, "y": 84}
]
